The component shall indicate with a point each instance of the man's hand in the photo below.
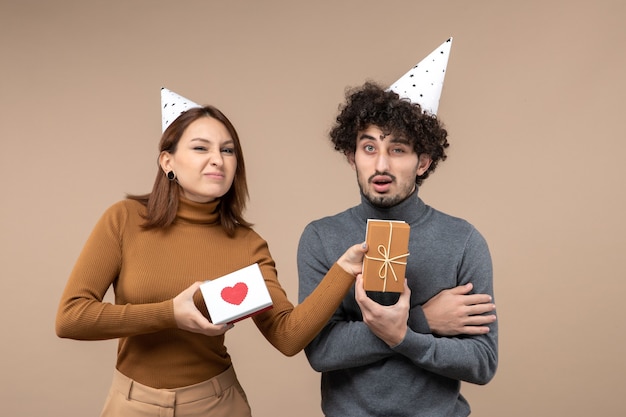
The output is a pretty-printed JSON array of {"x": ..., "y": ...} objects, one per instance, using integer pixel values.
[
  {"x": 189, "y": 318},
  {"x": 389, "y": 323},
  {"x": 454, "y": 311}
]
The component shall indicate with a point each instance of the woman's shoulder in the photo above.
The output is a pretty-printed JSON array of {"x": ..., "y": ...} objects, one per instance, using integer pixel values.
[
  {"x": 125, "y": 209},
  {"x": 127, "y": 205},
  {"x": 248, "y": 233}
]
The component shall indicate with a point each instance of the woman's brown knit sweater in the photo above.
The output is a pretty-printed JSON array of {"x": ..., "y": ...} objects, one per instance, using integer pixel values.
[{"x": 148, "y": 268}]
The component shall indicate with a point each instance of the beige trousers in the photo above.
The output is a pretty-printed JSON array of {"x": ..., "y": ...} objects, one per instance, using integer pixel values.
[{"x": 221, "y": 396}]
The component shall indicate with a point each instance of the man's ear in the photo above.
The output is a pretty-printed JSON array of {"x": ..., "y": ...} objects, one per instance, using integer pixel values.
[
  {"x": 165, "y": 161},
  {"x": 423, "y": 163},
  {"x": 350, "y": 158}
]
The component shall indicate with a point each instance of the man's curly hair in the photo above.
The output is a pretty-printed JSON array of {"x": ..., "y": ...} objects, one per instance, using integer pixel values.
[{"x": 370, "y": 104}]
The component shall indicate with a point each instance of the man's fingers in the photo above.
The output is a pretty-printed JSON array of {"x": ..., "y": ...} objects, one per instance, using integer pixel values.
[
  {"x": 406, "y": 294},
  {"x": 475, "y": 330},
  {"x": 358, "y": 286},
  {"x": 461, "y": 289},
  {"x": 359, "y": 293},
  {"x": 475, "y": 299},
  {"x": 469, "y": 299},
  {"x": 476, "y": 309},
  {"x": 480, "y": 320}
]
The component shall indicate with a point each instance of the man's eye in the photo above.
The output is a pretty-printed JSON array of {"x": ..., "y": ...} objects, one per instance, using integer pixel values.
[{"x": 369, "y": 148}]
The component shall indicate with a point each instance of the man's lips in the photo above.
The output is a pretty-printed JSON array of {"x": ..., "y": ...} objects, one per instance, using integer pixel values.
[{"x": 381, "y": 183}]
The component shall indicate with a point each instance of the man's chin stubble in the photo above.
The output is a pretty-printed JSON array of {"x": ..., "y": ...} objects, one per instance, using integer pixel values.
[{"x": 383, "y": 201}]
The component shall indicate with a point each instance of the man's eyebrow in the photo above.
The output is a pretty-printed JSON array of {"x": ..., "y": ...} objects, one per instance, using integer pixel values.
[
  {"x": 394, "y": 139},
  {"x": 400, "y": 139},
  {"x": 365, "y": 136}
]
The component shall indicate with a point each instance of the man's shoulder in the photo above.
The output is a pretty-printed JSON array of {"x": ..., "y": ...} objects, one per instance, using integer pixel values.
[
  {"x": 336, "y": 231},
  {"x": 333, "y": 221},
  {"x": 447, "y": 218},
  {"x": 440, "y": 223}
]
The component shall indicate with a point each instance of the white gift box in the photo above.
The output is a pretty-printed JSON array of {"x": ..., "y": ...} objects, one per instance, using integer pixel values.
[{"x": 237, "y": 295}]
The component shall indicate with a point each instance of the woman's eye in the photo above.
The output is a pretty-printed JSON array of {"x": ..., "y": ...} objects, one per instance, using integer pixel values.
[
  {"x": 199, "y": 148},
  {"x": 228, "y": 150}
]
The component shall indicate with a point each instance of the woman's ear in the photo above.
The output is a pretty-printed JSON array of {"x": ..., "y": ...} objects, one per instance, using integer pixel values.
[
  {"x": 423, "y": 163},
  {"x": 165, "y": 161}
]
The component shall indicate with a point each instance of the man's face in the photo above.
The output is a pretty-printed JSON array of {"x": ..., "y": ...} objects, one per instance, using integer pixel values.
[{"x": 386, "y": 166}]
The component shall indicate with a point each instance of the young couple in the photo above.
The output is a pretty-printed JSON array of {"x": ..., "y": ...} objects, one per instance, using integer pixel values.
[{"x": 407, "y": 358}]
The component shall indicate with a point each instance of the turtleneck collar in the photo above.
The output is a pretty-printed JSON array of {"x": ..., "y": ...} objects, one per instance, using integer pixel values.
[
  {"x": 409, "y": 210},
  {"x": 199, "y": 213}
]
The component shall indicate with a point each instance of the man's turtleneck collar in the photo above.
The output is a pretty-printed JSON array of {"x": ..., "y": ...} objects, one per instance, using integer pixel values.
[
  {"x": 199, "y": 213},
  {"x": 409, "y": 210}
]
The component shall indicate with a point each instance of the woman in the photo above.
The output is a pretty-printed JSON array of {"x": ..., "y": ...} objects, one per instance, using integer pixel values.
[{"x": 155, "y": 250}]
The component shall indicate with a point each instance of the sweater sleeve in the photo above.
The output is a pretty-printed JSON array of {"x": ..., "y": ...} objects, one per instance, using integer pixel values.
[
  {"x": 289, "y": 329},
  {"x": 82, "y": 314},
  {"x": 345, "y": 342},
  {"x": 471, "y": 359}
]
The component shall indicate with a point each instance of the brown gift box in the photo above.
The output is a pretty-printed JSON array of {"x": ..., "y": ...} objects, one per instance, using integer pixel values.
[{"x": 384, "y": 264}]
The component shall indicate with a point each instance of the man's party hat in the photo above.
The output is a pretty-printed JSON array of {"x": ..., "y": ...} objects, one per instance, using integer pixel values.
[
  {"x": 172, "y": 105},
  {"x": 424, "y": 82}
]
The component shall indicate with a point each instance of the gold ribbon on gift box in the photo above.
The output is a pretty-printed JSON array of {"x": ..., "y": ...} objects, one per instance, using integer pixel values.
[{"x": 387, "y": 261}]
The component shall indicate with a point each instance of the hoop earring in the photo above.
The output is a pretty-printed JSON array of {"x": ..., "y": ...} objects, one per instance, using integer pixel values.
[{"x": 171, "y": 176}]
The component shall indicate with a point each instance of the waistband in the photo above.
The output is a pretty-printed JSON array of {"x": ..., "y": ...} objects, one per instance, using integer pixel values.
[{"x": 166, "y": 397}]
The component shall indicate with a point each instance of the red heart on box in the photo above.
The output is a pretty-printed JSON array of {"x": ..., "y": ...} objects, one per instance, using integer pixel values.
[{"x": 236, "y": 294}]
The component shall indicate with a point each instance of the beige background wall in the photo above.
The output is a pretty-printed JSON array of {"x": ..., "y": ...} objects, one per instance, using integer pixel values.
[{"x": 533, "y": 101}]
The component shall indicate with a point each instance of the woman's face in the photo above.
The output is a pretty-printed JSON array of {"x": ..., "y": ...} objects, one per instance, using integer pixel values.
[{"x": 204, "y": 161}]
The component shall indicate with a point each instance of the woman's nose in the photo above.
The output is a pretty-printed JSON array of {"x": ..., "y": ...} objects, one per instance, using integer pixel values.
[{"x": 215, "y": 159}]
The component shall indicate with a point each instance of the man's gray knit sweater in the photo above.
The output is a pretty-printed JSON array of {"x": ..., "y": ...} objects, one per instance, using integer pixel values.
[{"x": 361, "y": 375}]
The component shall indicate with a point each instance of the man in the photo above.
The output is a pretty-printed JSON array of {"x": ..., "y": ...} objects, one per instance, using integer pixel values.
[{"x": 404, "y": 357}]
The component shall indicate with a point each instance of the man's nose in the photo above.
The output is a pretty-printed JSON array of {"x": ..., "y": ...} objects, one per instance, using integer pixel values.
[{"x": 382, "y": 163}]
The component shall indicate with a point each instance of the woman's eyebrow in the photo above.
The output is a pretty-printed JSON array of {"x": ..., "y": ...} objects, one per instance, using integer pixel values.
[{"x": 228, "y": 142}]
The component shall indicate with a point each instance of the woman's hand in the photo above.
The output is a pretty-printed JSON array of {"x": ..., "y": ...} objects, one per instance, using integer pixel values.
[
  {"x": 189, "y": 318},
  {"x": 352, "y": 259}
]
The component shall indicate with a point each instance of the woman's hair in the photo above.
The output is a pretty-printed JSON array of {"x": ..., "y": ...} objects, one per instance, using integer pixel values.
[
  {"x": 370, "y": 105},
  {"x": 162, "y": 202}
]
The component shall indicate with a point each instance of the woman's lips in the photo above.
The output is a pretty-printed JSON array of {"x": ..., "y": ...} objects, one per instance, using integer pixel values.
[{"x": 214, "y": 175}]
